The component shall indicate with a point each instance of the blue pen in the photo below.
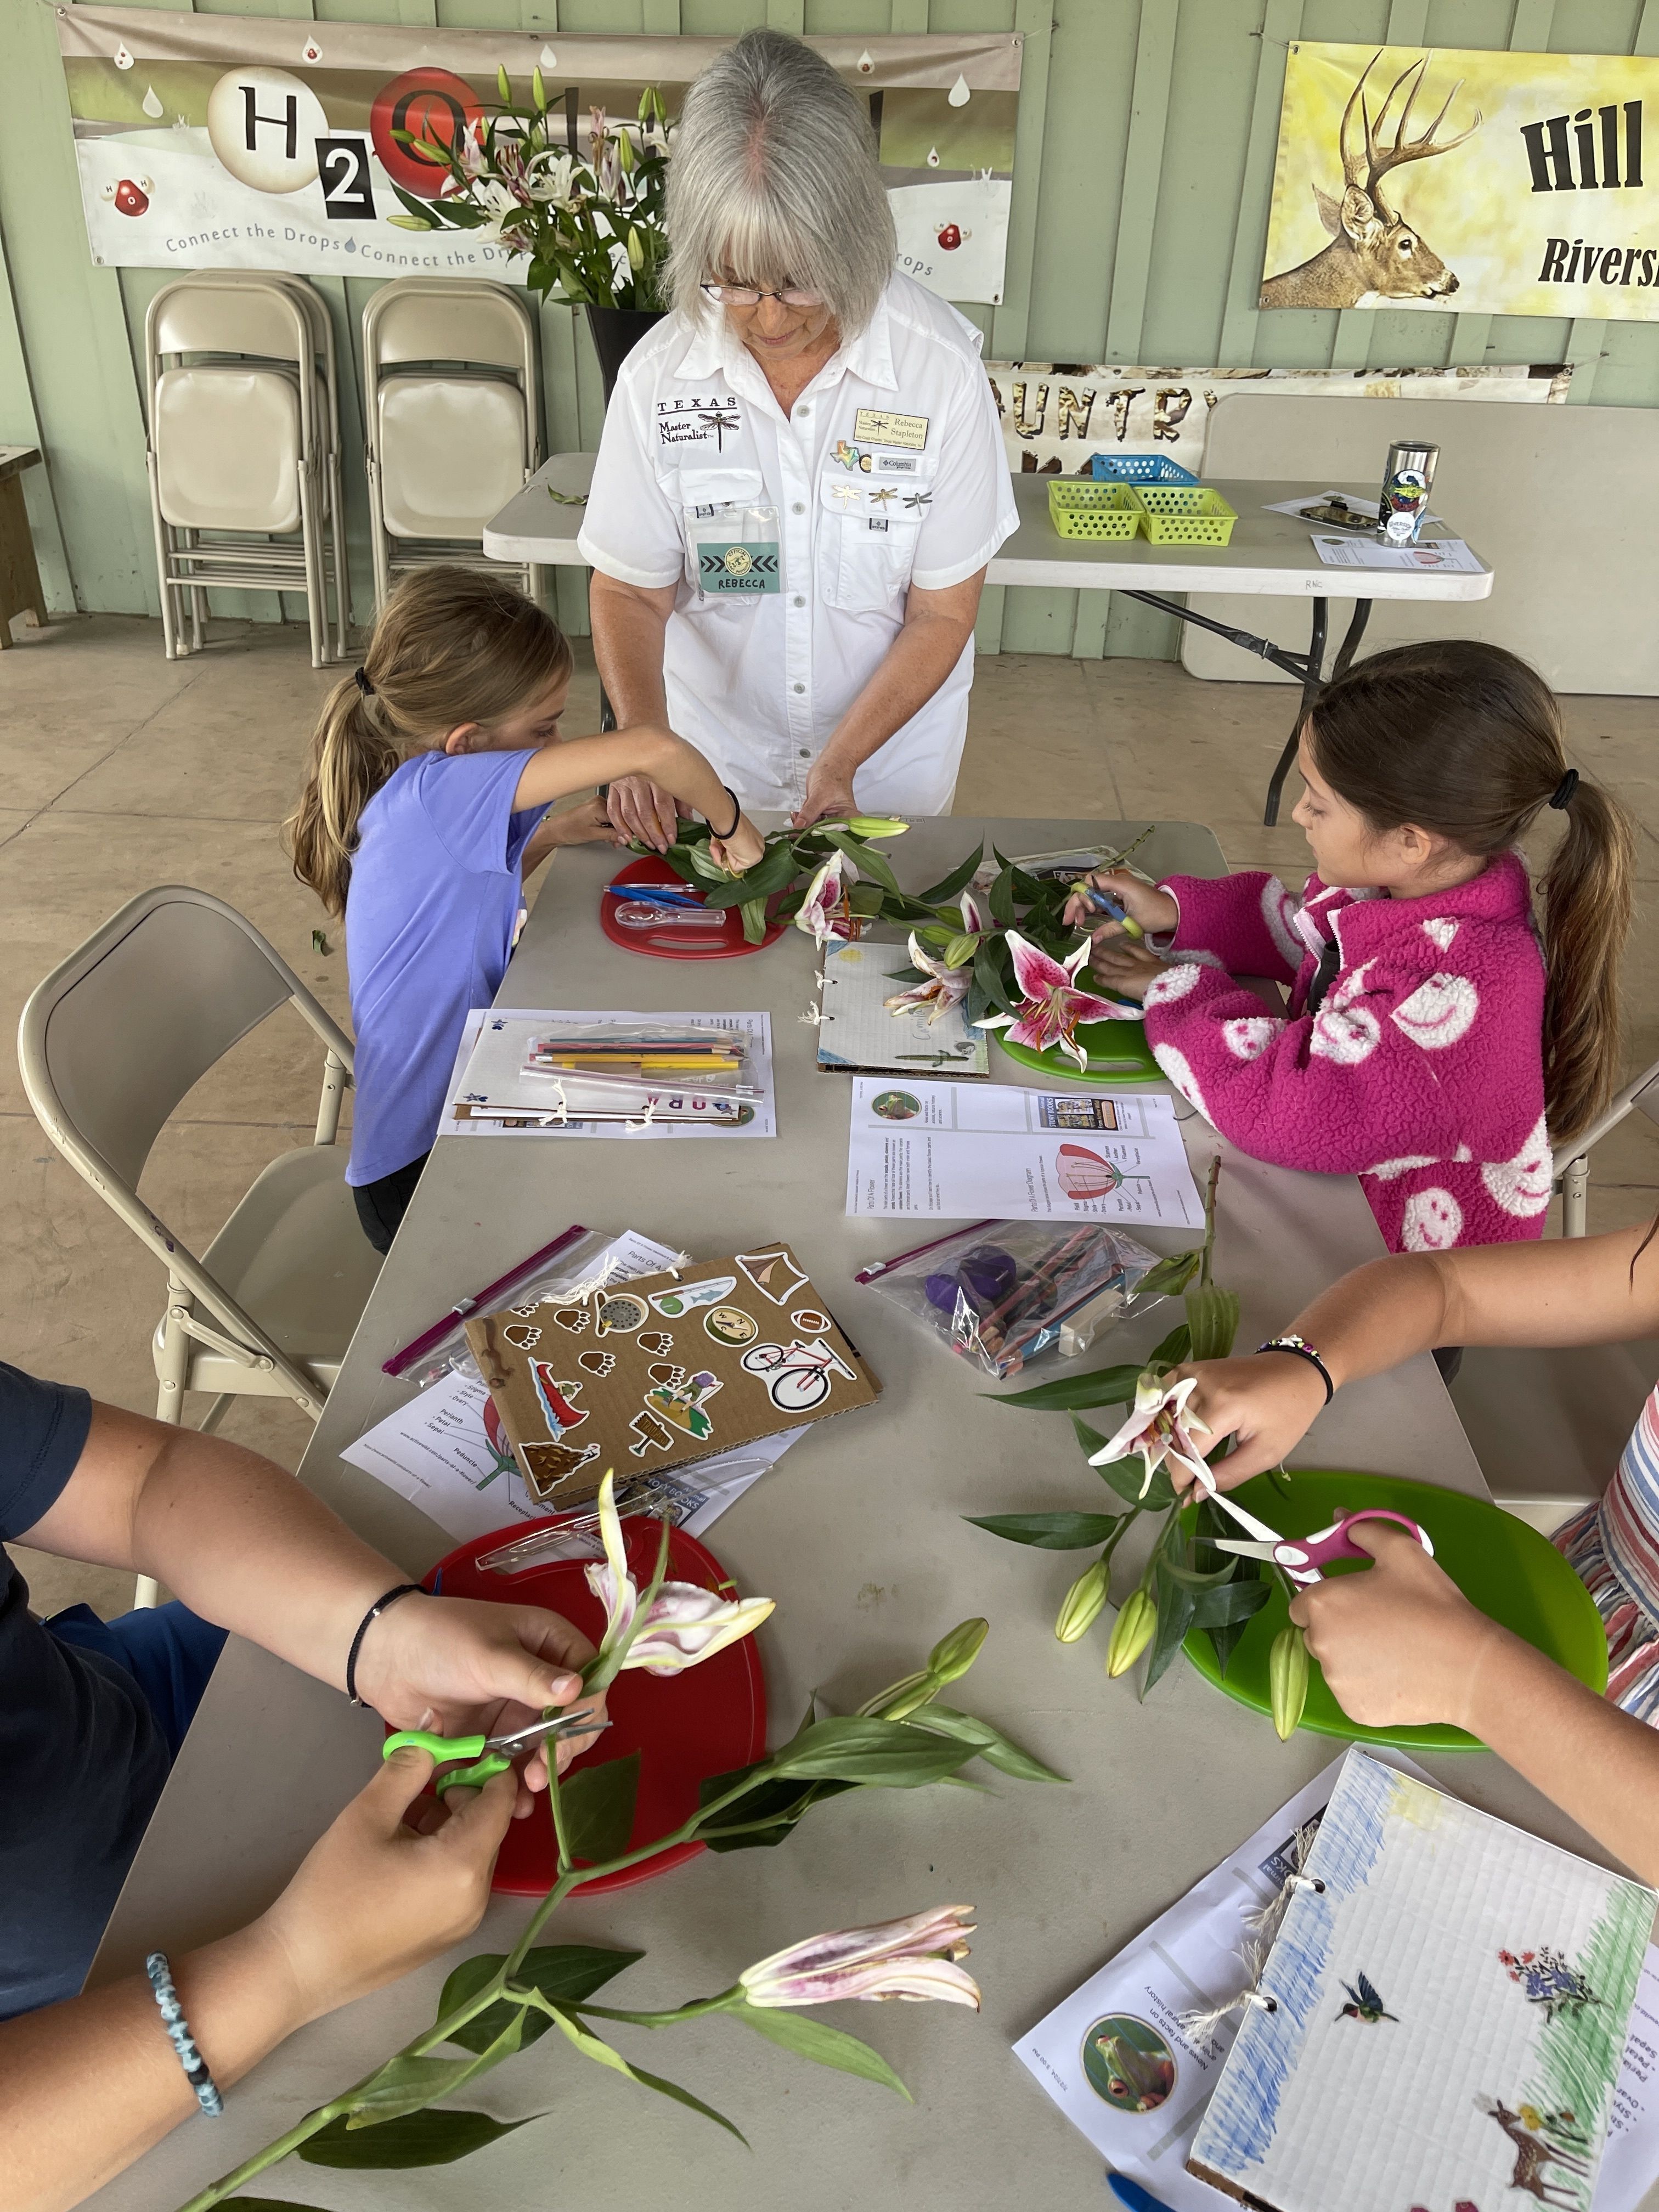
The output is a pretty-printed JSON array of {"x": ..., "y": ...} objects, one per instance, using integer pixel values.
[
  {"x": 1131, "y": 2194},
  {"x": 1103, "y": 904},
  {"x": 653, "y": 894}
]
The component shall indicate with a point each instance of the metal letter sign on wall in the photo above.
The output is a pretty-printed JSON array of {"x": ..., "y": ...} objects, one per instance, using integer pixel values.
[
  {"x": 1505, "y": 184},
  {"x": 221, "y": 142}
]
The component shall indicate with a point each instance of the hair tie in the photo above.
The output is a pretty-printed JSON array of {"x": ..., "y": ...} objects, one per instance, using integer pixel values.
[
  {"x": 360, "y": 677},
  {"x": 1566, "y": 788}
]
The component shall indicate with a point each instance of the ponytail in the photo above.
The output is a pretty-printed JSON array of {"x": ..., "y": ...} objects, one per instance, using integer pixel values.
[
  {"x": 349, "y": 760},
  {"x": 450, "y": 646},
  {"x": 1464, "y": 739}
]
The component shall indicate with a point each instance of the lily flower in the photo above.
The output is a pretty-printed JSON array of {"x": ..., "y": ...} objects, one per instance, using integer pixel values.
[
  {"x": 1159, "y": 1428},
  {"x": 1054, "y": 1005},
  {"x": 914, "y": 1959},
  {"x": 944, "y": 986},
  {"x": 684, "y": 1625},
  {"x": 973, "y": 922},
  {"x": 820, "y": 913}
]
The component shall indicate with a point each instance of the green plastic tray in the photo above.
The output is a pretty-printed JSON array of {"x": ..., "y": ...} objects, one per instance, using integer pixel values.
[
  {"x": 1118, "y": 1053},
  {"x": 1500, "y": 1563}
]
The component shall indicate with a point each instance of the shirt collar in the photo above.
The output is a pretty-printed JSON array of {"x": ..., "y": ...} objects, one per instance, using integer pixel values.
[{"x": 714, "y": 351}]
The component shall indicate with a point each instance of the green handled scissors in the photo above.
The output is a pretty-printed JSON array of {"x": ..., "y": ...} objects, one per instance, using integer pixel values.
[{"x": 491, "y": 1755}]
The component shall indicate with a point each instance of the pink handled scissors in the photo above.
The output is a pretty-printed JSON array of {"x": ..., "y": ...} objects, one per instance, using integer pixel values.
[{"x": 1304, "y": 1559}]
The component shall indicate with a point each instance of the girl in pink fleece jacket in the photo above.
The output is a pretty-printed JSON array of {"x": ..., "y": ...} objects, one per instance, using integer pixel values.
[{"x": 1437, "y": 1038}]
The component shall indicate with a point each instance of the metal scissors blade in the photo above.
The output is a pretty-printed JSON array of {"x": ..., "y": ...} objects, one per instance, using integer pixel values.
[{"x": 580, "y": 1722}]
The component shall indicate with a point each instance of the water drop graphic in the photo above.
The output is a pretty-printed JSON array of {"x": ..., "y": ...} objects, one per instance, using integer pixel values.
[
  {"x": 933, "y": 157},
  {"x": 958, "y": 96},
  {"x": 866, "y": 62},
  {"x": 151, "y": 106},
  {"x": 549, "y": 58},
  {"x": 311, "y": 52},
  {"x": 122, "y": 58}
]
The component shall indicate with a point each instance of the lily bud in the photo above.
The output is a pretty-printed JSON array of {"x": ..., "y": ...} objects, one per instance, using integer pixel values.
[
  {"x": 1132, "y": 1631},
  {"x": 914, "y": 1959},
  {"x": 876, "y": 825},
  {"x": 1083, "y": 1601},
  {"x": 903, "y": 1698},
  {"x": 635, "y": 250},
  {"x": 1287, "y": 1680},
  {"x": 953, "y": 1654}
]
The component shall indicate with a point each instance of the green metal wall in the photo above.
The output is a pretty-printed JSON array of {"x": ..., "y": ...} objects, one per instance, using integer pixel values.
[{"x": 1143, "y": 169}]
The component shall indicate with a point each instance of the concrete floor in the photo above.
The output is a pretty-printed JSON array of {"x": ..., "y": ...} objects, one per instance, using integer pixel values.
[{"x": 121, "y": 770}]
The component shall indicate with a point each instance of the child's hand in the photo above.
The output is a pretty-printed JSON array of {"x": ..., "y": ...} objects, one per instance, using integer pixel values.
[
  {"x": 585, "y": 824},
  {"x": 1400, "y": 1642},
  {"x": 1266, "y": 1403},
  {"x": 741, "y": 850},
  {"x": 1121, "y": 964},
  {"x": 1155, "y": 910}
]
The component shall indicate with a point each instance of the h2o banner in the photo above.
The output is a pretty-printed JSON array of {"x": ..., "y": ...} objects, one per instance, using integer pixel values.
[
  {"x": 227, "y": 141},
  {"x": 1505, "y": 184}
]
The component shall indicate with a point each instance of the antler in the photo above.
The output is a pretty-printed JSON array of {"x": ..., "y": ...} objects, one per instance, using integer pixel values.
[{"x": 1380, "y": 159}]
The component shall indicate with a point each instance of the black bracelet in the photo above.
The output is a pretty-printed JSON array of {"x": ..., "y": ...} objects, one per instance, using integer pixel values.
[
  {"x": 403, "y": 1590},
  {"x": 1295, "y": 1346},
  {"x": 737, "y": 816}
]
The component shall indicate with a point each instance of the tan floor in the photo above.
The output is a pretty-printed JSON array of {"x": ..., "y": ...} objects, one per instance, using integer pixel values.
[{"x": 120, "y": 770}]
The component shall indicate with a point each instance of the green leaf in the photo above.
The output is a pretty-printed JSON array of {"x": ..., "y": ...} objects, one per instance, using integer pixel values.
[
  {"x": 597, "y": 1806},
  {"x": 269, "y": 2204},
  {"x": 1001, "y": 897},
  {"x": 1230, "y": 1607},
  {"x": 828, "y": 2046},
  {"x": 569, "y": 1971},
  {"x": 406, "y": 2084},
  {"x": 1176, "y": 1346},
  {"x": 1171, "y": 1276},
  {"x": 865, "y": 858},
  {"x": 1128, "y": 1477},
  {"x": 1211, "y": 1321},
  {"x": 881, "y": 1754},
  {"x": 779, "y": 1805},
  {"x": 1047, "y": 1532},
  {"x": 952, "y": 886},
  {"x": 989, "y": 1743},
  {"x": 754, "y": 920},
  {"x": 418, "y": 2139},
  {"x": 987, "y": 974},
  {"x": 1101, "y": 1386},
  {"x": 867, "y": 901},
  {"x": 603, "y": 2054},
  {"x": 1175, "y": 1606}
]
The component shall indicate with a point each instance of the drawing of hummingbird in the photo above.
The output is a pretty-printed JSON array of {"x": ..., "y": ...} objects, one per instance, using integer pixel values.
[{"x": 1365, "y": 2003}]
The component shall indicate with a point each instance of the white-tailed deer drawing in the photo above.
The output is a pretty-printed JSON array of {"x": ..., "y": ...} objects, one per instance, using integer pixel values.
[
  {"x": 1372, "y": 249},
  {"x": 1534, "y": 2156}
]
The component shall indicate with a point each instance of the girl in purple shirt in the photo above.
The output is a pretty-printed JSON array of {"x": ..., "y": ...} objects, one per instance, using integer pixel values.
[{"x": 425, "y": 805}]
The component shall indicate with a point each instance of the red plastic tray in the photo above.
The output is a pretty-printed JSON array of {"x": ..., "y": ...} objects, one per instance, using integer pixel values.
[
  {"x": 685, "y": 1726},
  {"x": 716, "y": 935}
]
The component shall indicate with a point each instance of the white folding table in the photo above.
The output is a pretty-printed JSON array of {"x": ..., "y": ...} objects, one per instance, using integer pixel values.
[{"x": 1270, "y": 556}]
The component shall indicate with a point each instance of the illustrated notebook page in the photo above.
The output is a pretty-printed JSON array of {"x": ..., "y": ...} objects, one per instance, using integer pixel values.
[
  {"x": 668, "y": 1370},
  {"x": 1449, "y": 2012},
  {"x": 857, "y": 1028}
]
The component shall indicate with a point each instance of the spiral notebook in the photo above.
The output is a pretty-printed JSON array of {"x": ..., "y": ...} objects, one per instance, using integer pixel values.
[{"x": 860, "y": 1034}]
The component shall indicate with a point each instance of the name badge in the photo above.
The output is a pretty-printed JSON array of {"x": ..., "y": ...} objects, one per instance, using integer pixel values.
[
  {"x": 881, "y": 428},
  {"x": 748, "y": 569}
]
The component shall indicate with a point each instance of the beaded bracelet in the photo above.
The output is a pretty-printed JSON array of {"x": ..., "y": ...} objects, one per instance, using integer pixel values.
[{"x": 178, "y": 2035}]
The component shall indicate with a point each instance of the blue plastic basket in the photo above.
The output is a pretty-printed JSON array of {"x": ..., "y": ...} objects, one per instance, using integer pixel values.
[{"x": 1139, "y": 468}]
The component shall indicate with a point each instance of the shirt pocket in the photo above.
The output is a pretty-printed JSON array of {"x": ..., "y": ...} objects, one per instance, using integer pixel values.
[
  {"x": 722, "y": 507},
  {"x": 867, "y": 542}
]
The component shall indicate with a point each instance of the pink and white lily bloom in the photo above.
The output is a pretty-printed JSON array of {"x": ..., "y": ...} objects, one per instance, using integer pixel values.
[
  {"x": 819, "y": 915},
  {"x": 942, "y": 989},
  {"x": 914, "y": 1959},
  {"x": 1054, "y": 1005},
  {"x": 686, "y": 1624},
  {"x": 1159, "y": 1428}
]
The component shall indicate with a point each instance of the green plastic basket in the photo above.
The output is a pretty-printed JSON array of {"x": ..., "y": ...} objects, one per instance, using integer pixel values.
[
  {"x": 1080, "y": 508},
  {"x": 1183, "y": 514}
]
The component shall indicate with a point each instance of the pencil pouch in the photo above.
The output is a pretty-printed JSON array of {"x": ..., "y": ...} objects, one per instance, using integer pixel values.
[
  {"x": 1001, "y": 1293},
  {"x": 627, "y": 1058}
]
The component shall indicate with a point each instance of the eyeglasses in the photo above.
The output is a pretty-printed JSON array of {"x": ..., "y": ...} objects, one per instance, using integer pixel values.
[{"x": 748, "y": 295}]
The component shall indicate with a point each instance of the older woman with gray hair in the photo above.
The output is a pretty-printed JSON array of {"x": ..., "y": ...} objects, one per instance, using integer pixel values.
[{"x": 801, "y": 479}]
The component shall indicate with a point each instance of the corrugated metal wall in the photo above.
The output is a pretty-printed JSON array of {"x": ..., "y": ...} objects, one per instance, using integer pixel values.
[{"x": 1143, "y": 170}]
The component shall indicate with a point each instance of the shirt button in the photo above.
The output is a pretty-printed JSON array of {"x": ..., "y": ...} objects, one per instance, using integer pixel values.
[
  {"x": 800, "y": 600},
  {"x": 805, "y": 754},
  {"x": 803, "y": 410},
  {"x": 799, "y": 687},
  {"x": 800, "y": 508}
]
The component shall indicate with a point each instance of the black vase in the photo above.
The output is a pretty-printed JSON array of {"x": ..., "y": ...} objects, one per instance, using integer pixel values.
[{"x": 616, "y": 331}]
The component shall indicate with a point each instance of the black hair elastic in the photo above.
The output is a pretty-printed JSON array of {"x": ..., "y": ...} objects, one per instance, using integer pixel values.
[
  {"x": 364, "y": 682},
  {"x": 737, "y": 815},
  {"x": 1566, "y": 788},
  {"x": 402, "y": 1589}
]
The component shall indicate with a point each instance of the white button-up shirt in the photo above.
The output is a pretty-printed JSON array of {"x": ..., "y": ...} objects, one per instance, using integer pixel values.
[{"x": 793, "y": 540}]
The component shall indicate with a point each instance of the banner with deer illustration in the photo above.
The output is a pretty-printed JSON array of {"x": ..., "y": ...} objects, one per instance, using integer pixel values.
[{"x": 1505, "y": 184}]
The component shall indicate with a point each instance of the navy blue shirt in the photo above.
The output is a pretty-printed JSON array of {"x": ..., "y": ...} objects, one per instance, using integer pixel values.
[{"x": 82, "y": 1758}]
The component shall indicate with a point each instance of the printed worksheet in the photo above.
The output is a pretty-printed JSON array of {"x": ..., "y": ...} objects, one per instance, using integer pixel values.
[
  {"x": 1439, "y": 554},
  {"x": 958, "y": 1151},
  {"x": 491, "y": 1095}
]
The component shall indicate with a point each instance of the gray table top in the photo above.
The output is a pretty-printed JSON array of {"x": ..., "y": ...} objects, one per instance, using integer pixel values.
[
  {"x": 1268, "y": 554},
  {"x": 859, "y": 1536}
]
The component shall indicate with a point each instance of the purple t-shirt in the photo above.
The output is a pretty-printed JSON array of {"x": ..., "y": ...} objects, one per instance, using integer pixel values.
[{"x": 430, "y": 917}]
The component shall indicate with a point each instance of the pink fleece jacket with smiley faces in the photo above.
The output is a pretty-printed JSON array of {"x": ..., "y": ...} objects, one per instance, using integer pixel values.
[{"x": 1421, "y": 1070}]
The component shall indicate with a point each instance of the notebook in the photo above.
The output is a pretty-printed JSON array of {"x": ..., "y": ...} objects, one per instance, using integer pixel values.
[
  {"x": 664, "y": 1370},
  {"x": 1449, "y": 2011},
  {"x": 858, "y": 1034}
]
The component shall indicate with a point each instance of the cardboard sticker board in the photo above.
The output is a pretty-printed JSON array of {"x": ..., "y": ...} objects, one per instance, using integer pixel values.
[
  {"x": 657, "y": 1373},
  {"x": 1446, "y": 2007}
]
